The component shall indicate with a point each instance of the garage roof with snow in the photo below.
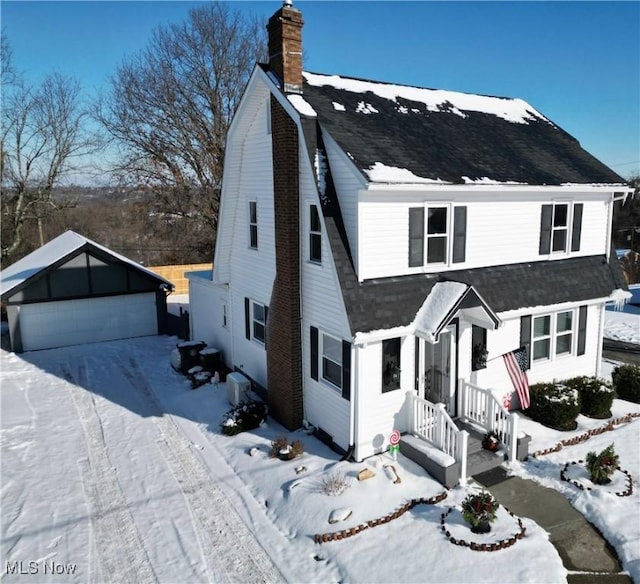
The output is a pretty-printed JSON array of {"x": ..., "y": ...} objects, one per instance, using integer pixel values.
[{"x": 60, "y": 251}]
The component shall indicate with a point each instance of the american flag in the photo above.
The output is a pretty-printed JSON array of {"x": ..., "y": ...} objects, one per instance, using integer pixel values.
[{"x": 517, "y": 363}]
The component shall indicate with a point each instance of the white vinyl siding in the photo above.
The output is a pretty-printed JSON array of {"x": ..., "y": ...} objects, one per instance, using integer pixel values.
[
  {"x": 507, "y": 338},
  {"x": 501, "y": 228}
]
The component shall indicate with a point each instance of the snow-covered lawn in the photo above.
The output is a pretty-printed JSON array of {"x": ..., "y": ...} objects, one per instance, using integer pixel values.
[
  {"x": 112, "y": 463},
  {"x": 622, "y": 326}
]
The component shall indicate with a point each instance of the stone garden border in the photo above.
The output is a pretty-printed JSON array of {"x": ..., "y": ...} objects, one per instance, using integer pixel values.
[
  {"x": 626, "y": 493},
  {"x": 588, "y": 434},
  {"x": 345, "y": 533},
  {"x": 494, "y": 546}
]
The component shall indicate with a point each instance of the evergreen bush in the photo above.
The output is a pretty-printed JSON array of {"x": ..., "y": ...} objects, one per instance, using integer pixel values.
[
  {"x": 247, "y": 415},
  {"x": 596, "y": 395},
  {"x": 554, "y": 405},
  {"x": 602, "y": 466},
  {"x": 626, "y": 382}
]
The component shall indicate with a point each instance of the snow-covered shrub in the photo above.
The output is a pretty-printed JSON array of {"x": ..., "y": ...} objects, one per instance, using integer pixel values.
[
  {"x": 602, "y": 466},
  {"x": 555, "y": 405},
  {"x": 335, "y": 484},
  {"x": 247, "y": 415},
  {"x": 596, "y": 396},
  {"x": 626, "y": 382}
]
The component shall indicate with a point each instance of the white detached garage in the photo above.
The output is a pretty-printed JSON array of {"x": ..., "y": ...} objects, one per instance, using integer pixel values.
[{"x": 73, "y": 291}]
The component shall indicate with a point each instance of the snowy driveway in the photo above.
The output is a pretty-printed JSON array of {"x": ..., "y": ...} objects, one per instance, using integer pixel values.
[{"x": 100, "y": 481}]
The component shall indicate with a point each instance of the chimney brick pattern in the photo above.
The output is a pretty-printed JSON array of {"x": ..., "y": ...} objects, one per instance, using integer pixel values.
[
  {"x": 285, "y": 47},
  {"x": 284, "y": 343}
]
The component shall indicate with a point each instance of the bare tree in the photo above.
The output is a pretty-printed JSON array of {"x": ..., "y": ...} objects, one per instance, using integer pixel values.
[
  {"x": 168, "y": 109},
  {"x": 42, "y": 137}
]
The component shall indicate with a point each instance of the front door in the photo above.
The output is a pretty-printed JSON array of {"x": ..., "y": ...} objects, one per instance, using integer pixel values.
[{"x": 437, "y": 380}]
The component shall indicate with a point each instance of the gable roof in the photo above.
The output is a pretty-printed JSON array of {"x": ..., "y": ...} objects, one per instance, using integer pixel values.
[
  {"x": 403, "y": 134},
  {"x": 55, "y": 252}
]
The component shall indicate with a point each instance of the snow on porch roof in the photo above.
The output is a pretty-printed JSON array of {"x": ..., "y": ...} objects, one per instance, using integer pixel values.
[
  {"x": 441, "y": 305},
  {"x": 53, "y": 251}
]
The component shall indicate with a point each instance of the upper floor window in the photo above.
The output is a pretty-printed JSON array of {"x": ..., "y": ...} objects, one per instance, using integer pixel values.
[
  {"x": 442, "y": 240},
  {"x": 553, "y": 335},
  {"x": 224, "y": 315},
  {"x": 560, "y": 227},
  {"x": 253, "y": 224},
  {"x": 437, "y": 234},
  {"x": 315, "y": 235}
]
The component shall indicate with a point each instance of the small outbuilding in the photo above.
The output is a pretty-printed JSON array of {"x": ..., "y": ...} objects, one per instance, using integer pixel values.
[{"x": 73, "y": 291}]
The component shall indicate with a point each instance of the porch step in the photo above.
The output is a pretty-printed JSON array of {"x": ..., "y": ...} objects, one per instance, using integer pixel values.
[
  {"x": 439, "y": 465},
  {"x": 479, "y": 460}
]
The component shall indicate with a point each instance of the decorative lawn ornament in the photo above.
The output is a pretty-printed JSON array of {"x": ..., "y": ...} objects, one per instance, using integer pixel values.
[
  {"x": 479, "y": 510},
  {"x": 394, "y": 441}
]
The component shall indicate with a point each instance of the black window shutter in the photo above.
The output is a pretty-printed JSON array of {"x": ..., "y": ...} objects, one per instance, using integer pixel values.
[
  {"x": 247, "y": 318},
  {"x": 314, "y": 352},
  {"x": 577, "y": 227},
  {"x": 416, "y": 237},
  {"x": 582, "y": 330},
  {"x": 346, "y": 370},
  {"x": 525, "y": 336},
  {"x": 459, "y": 234},
  {"x": 545, "y": 229}
]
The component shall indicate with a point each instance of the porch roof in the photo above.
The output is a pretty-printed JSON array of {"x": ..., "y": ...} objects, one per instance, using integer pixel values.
[{"x": 445, "y": 301}]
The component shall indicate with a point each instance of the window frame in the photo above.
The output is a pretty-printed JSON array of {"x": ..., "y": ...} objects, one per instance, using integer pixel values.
[
  {"x": 554, "y": 335},
  {"x": 225, "y": 316},
  {"x": 314, "y": 234},
  {"x": 430, "y": 236},
  {"x": 253, "y": 224},
  {"x": 321, "y": 356},
  {"x": 566, "y": 227},
  {"x": 255, "y": 321}
]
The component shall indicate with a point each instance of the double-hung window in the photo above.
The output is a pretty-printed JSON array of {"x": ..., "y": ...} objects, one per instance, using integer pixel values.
[
  {"x": 437, "y": 234},
  {"x": 332, "y": 360},
  {"x": 259, "y": 321},
  {"x": 560, "y": 228},
  {"x": 253, "y": 224},
  {"x": 315, "y": 235},
  {"x": 553, "y": 335},
  {"x": 255, "y": 321}
]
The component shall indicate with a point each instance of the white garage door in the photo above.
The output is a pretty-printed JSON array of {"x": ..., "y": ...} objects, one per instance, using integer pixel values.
[{"x": 74, "y": 322}]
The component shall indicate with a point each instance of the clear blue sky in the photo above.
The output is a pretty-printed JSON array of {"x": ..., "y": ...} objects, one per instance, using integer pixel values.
[{"x": 576, "y": 62}]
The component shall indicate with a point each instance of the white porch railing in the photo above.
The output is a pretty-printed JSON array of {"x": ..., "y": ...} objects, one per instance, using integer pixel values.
[
  {"x": 432, "y": 423},
  {"x": 480, "y": 406}
]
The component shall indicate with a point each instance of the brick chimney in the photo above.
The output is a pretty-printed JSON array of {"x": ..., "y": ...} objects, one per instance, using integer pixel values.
[
  {"x": 285, "y": 46},
  {"x": 284, "y": 335}
]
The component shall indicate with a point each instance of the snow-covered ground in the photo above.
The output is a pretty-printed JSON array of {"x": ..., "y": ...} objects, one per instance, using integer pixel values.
[
  {"x": 111, "y": 463},
  {"x": 622, "y": 326}
]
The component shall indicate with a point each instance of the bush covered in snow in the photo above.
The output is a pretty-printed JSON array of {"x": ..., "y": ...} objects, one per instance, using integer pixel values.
[
  {"x": 555, "y": 405},
  {"x": 247, "y": 415},
  {"x": 596, "y": 395},
  {"x": 626, "y": 382}
]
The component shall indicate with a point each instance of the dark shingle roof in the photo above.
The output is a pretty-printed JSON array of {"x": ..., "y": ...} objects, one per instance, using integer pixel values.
[{"x": 443, "y": 135}]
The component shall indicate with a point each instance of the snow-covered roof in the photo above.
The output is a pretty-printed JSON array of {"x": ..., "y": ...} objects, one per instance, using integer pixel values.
[
  {"x": 399, "y": 134},
  {"x": 55, "y": 250}
]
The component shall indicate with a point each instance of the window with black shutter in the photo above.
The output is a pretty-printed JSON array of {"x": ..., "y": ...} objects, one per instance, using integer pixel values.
[
  {"x": 416, "y": 237},
  {"x": 390, "y": 364}
]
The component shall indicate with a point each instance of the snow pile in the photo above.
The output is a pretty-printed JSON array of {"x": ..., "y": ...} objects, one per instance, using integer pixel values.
[
  {"x": 440, "y": 301},
  {"x": 436, "y": 100},
  {"x": 302, "y": 105},
  {"x": 381, "y": 173},
  {"x": 622, "y": 326}
]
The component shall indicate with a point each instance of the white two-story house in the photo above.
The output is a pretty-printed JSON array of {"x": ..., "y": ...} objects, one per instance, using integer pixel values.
[{"x": 380, "y": 247}]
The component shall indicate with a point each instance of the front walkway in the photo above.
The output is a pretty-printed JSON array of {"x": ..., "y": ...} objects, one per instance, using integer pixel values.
[{"x": 584, "y": 552}]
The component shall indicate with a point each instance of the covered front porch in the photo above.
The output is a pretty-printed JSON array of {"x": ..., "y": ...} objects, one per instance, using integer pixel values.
[
  {"x": 429, "y": 378},
  {"x": 451, "y": 449}
]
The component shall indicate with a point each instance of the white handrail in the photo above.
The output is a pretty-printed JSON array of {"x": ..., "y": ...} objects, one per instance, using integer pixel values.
[
  {"x": 432, "y": 423},
  {"x": 480, "y": 406}
]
